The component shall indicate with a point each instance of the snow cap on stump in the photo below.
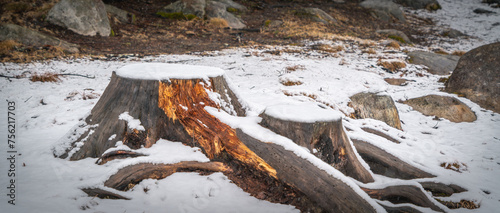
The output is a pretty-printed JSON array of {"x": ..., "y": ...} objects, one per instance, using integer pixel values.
[
  {"x": 306, "y": 113},
  {"x": 163, "y": 71}
]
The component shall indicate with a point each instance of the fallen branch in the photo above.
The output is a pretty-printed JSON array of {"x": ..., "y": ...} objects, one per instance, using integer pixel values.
[{"x": 129, "y": 176}]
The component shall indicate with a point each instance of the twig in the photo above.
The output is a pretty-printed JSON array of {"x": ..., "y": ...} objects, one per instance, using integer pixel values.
[{"x": 85, "y": 76}]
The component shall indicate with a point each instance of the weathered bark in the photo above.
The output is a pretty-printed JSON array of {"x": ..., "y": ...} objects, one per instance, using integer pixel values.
[
  {"x": 103, "y": 194},
  {"x": 383, "y": 163},
  {"x": 440, "y": 189},
  {"x": 327, "y": 139},
  {"x": 129, "y": 176},
  {"x": 118, "y": 154},
  {"x": 330, "y": 193},
  {"x": 379, "y": 133},
  {"x": 403, "y": 194}
]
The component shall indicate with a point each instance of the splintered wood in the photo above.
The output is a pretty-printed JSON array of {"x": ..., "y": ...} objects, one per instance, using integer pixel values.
[{"x": 185, "y": 100}]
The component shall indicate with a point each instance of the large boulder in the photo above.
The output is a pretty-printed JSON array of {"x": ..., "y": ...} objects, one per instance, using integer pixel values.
[
  {"x": 384, "y": 10},
  {"x": 477, "y": 76},
  {"x": 316, "y": 15},
  {"x": 85, "y": 17},
  {"x": 442, "y": 107},
  {"x": 219, "y": 10},
  {"x": 395, "y": 34},
  {"x": 438, "y": 64},
  {"x": 34, "y": 38},
  {"x": 205, "y": 9},
  {"x": 420, "y": 4},
  {"x": 376, "y": 106},
  {"x": 187, "y": 7},
  {"x": 120, "y": 14}
]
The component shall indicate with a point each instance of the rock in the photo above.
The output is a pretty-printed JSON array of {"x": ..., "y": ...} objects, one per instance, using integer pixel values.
[
  {"x": 120, "y": 14},
  {"x": 316, "y": 15},
  {"x": 491, "y": 1},
  {"x": 384, "y": 10},
  {"x": 187, "y": 7},
  {"x": 231, "y": 5},
  {"x": 438, "y": 64},
  {"x": 85, "y": 17},
  {"x": 35, "y": 38},
  {"x": 482, "y": 11},
  {"x": 396, "y": 81},
  {"x": 443, "y": 107},
  {"x": 477, "y": 76},
  {"x": 452, "y": 33},
  {"x": 395, "y": 34},
  {"x": 219, "y": 10},
  {"x": 379, "y": 107},
  {"x": 420, "y": 4}
]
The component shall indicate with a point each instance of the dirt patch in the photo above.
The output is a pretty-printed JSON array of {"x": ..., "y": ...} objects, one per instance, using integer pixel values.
[{"x": 269, "y": 22}]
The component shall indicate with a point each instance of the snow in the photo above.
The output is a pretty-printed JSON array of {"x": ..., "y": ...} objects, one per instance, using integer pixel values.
[
  {"x": 132, "y": 123},
  {"x": 45, "y": 118},
  {"x": 306, "y": 112},
  {"x": 164, "y": 71}
]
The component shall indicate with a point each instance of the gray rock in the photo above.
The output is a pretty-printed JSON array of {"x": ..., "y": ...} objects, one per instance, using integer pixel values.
[
  {"x": 232, "y": 4},
  {"x": 316, "y": 15},
  {"x": 452, "y": 33},
  {"x": 420, "y": 4},
  {"x": 482, "y": 11},
  {"x": 394, "y": 33},
  {"x": 120, "y": 14},
  {"x": 438, "y": 64},
  {"x": 477, "y": 76},
  {"x": 219, "y": 10},
  {"x": 384, "y": 10},
  {"x": 491, "y": 1},
  {"x": 396, "y": 81},
  {"x": 443, "y": 107},
  {"x": 379, "y": 107},
  {"x": 85, "y": 17},
  {"x": 30, "y": 37},
  {"x": 195, "y": 7}
]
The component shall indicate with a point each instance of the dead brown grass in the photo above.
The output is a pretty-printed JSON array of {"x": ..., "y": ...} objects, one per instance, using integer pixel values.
[
  {"x": 45, "y": 77},
  {"x": 217, "y": 23},
  {"x": 291, "y": 83},
  {"x": 369, "y": 51},
  {"x": 393, "y": 45},
  {"x": 327, "y": 48},
  {"x": 7, "y": 46},
  {"x": 303, "y": 30},
  {"x": 294, "y": 68},
  {"x": 462, "y": 204},
  {"x": 392, "y": 66},
  {"x": 458, "y": 52},
  {"x": 455, "y": 166}
]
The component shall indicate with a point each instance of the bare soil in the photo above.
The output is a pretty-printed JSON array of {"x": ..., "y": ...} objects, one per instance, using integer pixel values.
[{"x": 151, "y": 34}]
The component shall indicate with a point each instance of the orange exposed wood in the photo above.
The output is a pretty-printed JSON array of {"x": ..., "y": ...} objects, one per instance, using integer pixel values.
[{"x": 185, "y": 100}]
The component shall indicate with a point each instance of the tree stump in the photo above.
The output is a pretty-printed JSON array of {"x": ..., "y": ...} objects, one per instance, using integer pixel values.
[{"x": 147, "y": 102}]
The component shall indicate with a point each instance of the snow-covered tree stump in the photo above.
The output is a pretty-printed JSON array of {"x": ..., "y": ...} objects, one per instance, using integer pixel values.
[{"x": 147, "y": 102}]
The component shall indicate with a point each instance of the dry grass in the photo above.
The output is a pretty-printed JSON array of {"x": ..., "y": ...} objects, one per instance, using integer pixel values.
[
  {"x": 7, "y": 46},
  {"x": 327, "y": 48},
  {"x": 392, "y": 66},
  {"x": 369, "y": 51},
  {"x": 303, "y": 30},
  {"x": 312, "y": 96},
  {"x": 393, "y": 45},
  {"x": 458, "y": 52},
  {"x": 367, "y": 44},
  {"x": 455, "y": 166},
  {"x": 294, "y": 68},
  {"x": 290, "y": 82},
  {"x": 217, "y": 23},
  {"x": 462, "y": 204},
  {"x": 45, "y": 77}
]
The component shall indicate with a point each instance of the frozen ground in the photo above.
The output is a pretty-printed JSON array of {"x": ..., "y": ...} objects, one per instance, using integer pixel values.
[{"x": 45, "y": 112}]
